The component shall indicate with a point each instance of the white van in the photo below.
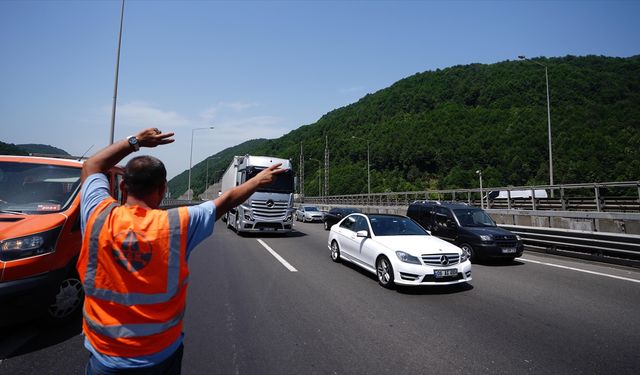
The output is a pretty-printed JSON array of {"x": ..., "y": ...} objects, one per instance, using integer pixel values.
[{"x": 504, "y": 194}]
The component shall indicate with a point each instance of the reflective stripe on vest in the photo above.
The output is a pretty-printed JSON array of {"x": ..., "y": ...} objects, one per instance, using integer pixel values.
[
  {"x": 132, "y": 330},
  {"x": 128, "y": 299}
]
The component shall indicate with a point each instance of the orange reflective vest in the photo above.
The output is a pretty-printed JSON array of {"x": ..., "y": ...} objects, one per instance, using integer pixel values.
[{"x": 134, "y": 271}]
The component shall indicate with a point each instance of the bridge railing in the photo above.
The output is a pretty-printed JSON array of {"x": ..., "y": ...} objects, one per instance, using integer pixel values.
[{"x": 598, "y": 197}]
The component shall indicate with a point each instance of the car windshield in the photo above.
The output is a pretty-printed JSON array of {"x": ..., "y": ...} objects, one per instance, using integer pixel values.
[
  {"x": 469, "y": 217},
  {"x": 36, "y": 188},
  {"x": 282, "y": 184},
  {"x": 395, "y": 226},
  {"x": 311, "y": 208}
]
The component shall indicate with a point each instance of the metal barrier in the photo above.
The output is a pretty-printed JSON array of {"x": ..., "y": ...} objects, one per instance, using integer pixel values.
[
  {"x": 621, "y": 249},
  {"x": 172, "y": 203},
  {"x": 598, "y": 197}
]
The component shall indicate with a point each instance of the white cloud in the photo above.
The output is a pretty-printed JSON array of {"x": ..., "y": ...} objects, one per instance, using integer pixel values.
[
  {"x": 140, "y": 115},
  {"x": 223, "y": 108},
  {"x": 233, "y": 122}
]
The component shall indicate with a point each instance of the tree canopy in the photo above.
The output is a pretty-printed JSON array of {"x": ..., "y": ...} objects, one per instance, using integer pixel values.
[{"x": 435, "y": 129}]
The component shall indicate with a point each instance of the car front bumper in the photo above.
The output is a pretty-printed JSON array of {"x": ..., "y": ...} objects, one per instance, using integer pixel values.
[
  {"x": 493, "y": 250},
  {"x": 415, "y": 274},
  {"x": 28, "y": 297}
]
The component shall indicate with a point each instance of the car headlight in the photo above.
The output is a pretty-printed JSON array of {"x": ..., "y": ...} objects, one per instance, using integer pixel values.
[
  {"x": 518, "y": 237},
  {"x": 464, "y": 256},
  {"x": 407, "y": 258},
  {"x": 29, "y": 246},
  {"x": 485, "y": 237}
]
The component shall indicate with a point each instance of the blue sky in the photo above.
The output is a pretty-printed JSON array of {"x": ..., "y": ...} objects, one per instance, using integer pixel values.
[{"x": 258, "y": 68}]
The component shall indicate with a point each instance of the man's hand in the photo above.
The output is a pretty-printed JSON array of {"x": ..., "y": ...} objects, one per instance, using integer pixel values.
[
  {"x": 153, "y": 137},
  {"x": 114, "y": 153},
  {"x": 268, "y": 175}
]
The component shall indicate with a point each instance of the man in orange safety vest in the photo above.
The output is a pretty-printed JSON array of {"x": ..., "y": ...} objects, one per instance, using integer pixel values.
[{"x": 133, "y": 261}]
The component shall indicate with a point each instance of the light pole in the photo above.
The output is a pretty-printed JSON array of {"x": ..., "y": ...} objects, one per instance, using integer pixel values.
[
  {"x": 319, "y": 175},
  {"x": 189, "y": 197},
  {"x": 479, "y": 173},
  {"x": 368, "y": 165},
  {"x": 115, "y": 85},
  {"x": 546, "y": 76}
]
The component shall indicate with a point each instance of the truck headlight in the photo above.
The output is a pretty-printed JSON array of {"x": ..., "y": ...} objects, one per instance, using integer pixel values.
[
  {"x": 407, "y": 258},
  {"x": 29, "y": 246}
]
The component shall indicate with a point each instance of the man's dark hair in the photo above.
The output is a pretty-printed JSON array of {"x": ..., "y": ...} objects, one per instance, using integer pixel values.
[{"x": 143, "y": 175}]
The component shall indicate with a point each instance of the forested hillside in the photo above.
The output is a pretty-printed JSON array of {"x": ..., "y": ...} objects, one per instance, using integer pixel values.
[
  {"x": 435, "y": 129},
  {"x": 26, "y": 149},
  {"x": 42, "y": 149},
  {"x": 11, "y": 149}
]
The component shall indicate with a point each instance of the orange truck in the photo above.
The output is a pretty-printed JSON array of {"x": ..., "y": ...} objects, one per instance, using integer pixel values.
[{"x": 40, "y": 237}]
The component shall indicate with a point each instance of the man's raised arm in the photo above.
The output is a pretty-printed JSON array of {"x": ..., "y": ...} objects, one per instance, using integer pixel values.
[{"x": 112, "y": 154}]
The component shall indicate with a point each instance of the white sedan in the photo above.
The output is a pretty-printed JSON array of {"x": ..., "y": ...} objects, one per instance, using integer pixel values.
[{"x": 398, "y": 251}]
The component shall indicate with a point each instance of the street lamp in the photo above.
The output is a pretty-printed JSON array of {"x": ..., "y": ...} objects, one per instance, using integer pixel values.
[
  {"x": 189, "y": 197},
  {"x": 319, "y": 175},
  {"x": 546, "y": 75},
  {"x": 479, "y": 173},
  {"x": 368, "y": 165}
]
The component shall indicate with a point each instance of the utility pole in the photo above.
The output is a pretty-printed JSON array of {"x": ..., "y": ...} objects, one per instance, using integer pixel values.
[
  {"x": 301, "y": 174},
  {"x": 326, "y": 166}
]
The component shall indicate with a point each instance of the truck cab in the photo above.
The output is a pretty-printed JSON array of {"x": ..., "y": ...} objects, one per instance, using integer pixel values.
[{"x": 268, "y": 209}]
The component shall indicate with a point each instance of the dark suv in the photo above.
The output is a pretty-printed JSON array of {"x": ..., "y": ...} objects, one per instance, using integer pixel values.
[{"x": 468, "y": 227}]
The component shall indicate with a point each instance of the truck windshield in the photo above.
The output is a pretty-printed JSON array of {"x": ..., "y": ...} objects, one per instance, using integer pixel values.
[
  {"x": 469, "y": 217},
  {"x": 282, "y": 184},
  {"x": 36, "y": 188}
]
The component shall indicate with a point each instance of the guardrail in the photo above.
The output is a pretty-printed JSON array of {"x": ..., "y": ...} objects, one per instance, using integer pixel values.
[
  {"x": 599, "y": 197},
  {"x": 623, "y": 249},
  {"x": 172, "y": 203}
]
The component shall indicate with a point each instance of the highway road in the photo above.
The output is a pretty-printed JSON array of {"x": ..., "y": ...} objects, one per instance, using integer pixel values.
[{"x": 279, "y": 305}]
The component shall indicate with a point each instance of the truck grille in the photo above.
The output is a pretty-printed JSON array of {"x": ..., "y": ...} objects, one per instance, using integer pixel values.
[
  {"x": 439, "y": 260},
  {"x": 261, "y": 211}
]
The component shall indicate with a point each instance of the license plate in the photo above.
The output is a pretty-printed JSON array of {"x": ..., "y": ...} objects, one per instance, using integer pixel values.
[
  {"x": 508, "y": 250},
  {"x": 445, "y": 273}
]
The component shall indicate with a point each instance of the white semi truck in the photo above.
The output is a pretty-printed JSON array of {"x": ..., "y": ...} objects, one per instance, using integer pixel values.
[{"x": 268, "y": 209}]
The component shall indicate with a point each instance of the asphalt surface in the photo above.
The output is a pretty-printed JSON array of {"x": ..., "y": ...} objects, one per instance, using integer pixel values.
[{"x": 250, "y": 313}]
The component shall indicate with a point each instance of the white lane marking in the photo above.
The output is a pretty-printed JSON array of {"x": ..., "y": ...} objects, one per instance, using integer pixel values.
[
  {"x": 278, "y": 257},
  {"x": 581, "y": 270}
]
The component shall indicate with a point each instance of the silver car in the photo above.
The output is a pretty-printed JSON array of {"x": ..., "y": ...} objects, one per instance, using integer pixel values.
[{"x": 309, "y": 213}]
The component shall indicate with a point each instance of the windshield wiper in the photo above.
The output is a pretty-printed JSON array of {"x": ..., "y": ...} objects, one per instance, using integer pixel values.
[{"x": 12, "y": 212}]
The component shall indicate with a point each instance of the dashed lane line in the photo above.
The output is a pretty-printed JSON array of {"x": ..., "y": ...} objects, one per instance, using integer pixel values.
[
  {"x": 581, "y": 270},
  {"x": 278, "y": 257}
]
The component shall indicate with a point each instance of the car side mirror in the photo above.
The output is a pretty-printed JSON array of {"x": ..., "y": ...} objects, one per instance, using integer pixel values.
[{"x": 362, "y": 233}]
